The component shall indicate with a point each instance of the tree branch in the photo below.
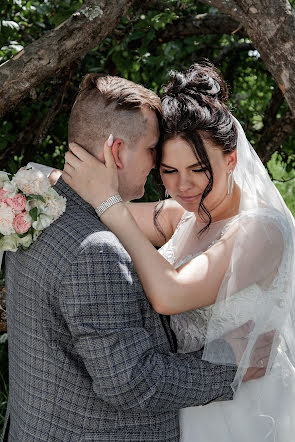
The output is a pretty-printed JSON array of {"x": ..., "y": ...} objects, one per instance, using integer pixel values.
[
  {"x": 58, "y": 48},
  {"x": 201, "y": 24},
  {"x": 271, "y": 26},
  {"x": 55, "y": 106},
  {"x": 228, "y": 7}
]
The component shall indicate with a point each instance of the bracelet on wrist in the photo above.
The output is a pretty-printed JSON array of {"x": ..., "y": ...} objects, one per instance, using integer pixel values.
[{"x": 105, "y": 205}]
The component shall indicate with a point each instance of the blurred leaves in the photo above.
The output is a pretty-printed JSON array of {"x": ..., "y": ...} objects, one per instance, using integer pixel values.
[{"x": 137, "y": 51}]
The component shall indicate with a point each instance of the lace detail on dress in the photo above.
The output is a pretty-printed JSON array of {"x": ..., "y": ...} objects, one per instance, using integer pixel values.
[
  {"x": 191, "y": 328},
  {"x": 168, "y": 249}
]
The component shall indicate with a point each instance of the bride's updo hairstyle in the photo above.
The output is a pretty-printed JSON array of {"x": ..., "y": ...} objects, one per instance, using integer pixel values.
[{"x": 193, "y": 107}]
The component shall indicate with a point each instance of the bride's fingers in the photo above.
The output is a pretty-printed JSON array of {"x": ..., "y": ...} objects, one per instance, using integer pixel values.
[
  {"x": 68, "y": 169},
  {"x": 108, "y": 155},
  {"x": 79, "y": 151},
  {"x": 66, "y": 177},
  {"x": 72, "y": 160}
]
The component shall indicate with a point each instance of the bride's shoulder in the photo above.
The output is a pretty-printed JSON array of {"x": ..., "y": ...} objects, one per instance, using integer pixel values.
[
  {"x": 260, "y": 218},
  {"x": 253, "y": 211},
  {"x": 264, "y": 230},
  {"x": 175, "y": 212}
]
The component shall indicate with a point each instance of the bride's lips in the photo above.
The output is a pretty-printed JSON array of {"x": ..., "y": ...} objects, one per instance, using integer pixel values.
[{"x": 188, "y": 198}]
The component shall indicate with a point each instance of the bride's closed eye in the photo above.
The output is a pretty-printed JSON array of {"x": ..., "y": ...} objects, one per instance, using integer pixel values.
[
  {"x": 169, "y": 171},
  {"x": 201, "y": 169}
]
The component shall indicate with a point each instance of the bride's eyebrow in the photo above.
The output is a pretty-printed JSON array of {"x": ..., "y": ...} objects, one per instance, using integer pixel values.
[{"x": 166, "y": 165}]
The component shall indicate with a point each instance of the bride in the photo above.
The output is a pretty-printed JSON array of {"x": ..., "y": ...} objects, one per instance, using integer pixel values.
[{"x": 229, "y": 260}]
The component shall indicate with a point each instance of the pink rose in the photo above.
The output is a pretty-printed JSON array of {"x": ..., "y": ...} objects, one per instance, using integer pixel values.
[
  {"x": 22, "y": 223},
  {"x": 3, "y": 195},
  {"x": 17, "y": 203}
]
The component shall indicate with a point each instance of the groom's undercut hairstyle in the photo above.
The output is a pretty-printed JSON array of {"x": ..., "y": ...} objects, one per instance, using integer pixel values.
[{"x": 109, "y": 105}]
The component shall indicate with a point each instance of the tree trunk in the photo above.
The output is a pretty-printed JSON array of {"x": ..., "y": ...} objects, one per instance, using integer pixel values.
[
  {"x": 271, "y": 26},
  {"x": 43, "y": 58},
  {"x": 201, "y": 24}
]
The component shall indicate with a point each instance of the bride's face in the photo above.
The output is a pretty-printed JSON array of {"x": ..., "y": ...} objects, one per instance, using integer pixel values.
[{"x": 185, "y": 177}]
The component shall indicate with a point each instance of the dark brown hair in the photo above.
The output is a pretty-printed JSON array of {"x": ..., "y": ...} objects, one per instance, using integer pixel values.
[{"x": 193, "y": 108}]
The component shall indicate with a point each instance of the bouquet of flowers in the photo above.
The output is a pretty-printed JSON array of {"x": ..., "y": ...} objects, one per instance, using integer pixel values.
[{"x": 28, "y": 205}]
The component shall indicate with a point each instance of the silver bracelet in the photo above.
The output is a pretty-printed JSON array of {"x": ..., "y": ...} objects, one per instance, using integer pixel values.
[{"x": 107, "y": 204}]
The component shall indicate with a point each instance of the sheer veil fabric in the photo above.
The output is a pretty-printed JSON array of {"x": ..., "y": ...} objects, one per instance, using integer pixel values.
[{"x": 259, "y": 286}]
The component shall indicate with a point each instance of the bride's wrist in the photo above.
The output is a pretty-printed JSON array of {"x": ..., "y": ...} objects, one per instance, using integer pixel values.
[
  {"x": 113, "y": 213},
  {"x": 107, "y": 204},
  {"x": 96, "y": 201}
]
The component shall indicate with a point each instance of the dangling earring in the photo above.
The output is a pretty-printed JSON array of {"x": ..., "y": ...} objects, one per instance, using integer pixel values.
[
  {"x": 230, "y": 182},
  {"x": 166, "y": 193}
]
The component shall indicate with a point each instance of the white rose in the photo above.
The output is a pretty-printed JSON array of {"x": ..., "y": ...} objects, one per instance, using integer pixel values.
[
  {"x": 31, "y": 204},
  {"x": 42, "y": 222},
  {"x": 31, "y": 182},
  {"x": 26, "y": 241},
  {"x": 56, "y": 204},
  {"x": 3, "y": 178},
  {"x": 10, "y": 188},
  {"x": 6, "y": 219},
  {"x": 9, "y": 243}
]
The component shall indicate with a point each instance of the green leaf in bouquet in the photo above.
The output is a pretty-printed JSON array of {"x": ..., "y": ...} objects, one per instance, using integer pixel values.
[
  {"x": 22, "y": 235},
  {"x": 36, "y": 197},
  {"x": 34, "y": 213}
]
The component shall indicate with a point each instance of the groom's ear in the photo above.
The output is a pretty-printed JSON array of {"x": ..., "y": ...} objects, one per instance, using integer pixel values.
[{"x": 117, "y": 151}]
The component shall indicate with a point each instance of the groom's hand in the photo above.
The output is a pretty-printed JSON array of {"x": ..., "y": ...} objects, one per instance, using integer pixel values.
[{"x": 238, "y": 340}]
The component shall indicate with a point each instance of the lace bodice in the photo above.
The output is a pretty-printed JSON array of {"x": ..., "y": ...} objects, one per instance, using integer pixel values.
[{"x": 191, "y": 328}]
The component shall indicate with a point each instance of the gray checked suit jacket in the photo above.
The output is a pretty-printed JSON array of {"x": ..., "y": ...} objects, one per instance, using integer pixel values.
[{"x": 89, "y": 359}]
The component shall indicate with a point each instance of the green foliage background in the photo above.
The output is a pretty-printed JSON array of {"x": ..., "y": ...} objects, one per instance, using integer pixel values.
[{"x": 136, "y": 50}]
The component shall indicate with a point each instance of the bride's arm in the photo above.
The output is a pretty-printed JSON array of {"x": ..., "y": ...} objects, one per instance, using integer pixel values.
[{"x": 170, "y": 291}]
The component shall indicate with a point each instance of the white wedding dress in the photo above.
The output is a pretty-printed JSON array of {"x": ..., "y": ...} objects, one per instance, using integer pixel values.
[{"x": 262, "y": 410}]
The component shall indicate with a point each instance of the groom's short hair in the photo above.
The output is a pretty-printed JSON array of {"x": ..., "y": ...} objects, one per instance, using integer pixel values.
[{"x": 107, "y": 104}]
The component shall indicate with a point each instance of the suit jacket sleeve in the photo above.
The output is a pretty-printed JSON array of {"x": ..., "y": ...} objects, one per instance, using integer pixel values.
[{"x": 101, "y": 305}]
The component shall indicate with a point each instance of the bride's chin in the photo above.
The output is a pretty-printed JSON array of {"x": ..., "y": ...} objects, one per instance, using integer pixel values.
[{"x": 190, "y": 206}]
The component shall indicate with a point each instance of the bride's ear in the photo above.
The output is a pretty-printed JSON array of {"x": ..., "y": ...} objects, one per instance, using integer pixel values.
[
  {"x": 232, "y": 160},
  {"x": 117, "y": 151}
]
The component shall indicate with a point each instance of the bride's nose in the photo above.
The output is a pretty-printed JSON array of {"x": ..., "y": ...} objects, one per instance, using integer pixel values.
[{"x": 184, "y": 183}]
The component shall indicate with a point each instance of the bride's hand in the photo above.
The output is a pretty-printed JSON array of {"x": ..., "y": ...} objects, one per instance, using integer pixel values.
[
  {"x": 89, "y": 177},
  {"x": 54, "y": 176}
]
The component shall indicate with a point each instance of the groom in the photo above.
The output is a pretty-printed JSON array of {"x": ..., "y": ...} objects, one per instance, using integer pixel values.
[{"x": 89, "y": 359}]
